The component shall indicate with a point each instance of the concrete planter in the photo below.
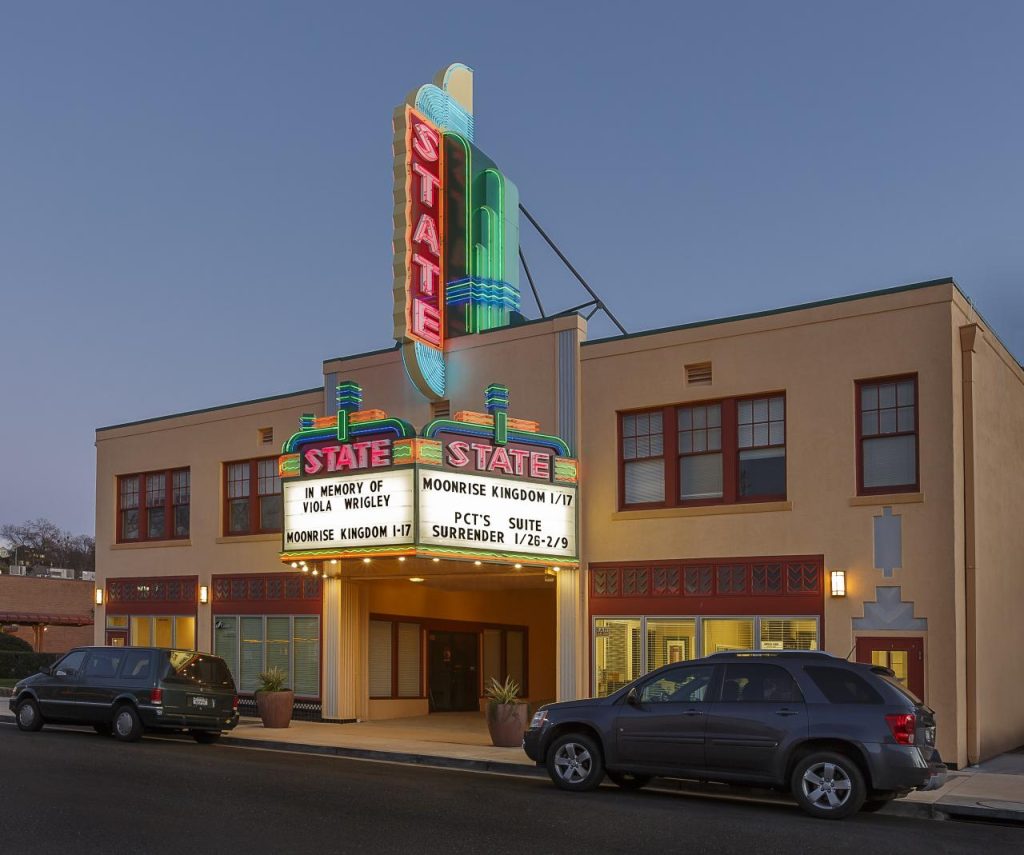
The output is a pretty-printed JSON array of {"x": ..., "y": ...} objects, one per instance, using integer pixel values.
[
  {"x": 506, "y": 723},
  {"x": 275, "y": 708}
]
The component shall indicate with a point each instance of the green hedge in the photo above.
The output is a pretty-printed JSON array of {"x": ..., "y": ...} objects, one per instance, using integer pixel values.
[{"x": 18, "y": 665}]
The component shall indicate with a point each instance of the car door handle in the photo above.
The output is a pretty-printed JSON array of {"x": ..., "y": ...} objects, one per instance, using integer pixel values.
[
  {"x": 693, "y": 712},
  {"x": 787, "y": 712}
]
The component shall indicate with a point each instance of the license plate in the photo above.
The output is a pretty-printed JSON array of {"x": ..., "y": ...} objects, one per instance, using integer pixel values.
[{"x": 200, "y": 701}]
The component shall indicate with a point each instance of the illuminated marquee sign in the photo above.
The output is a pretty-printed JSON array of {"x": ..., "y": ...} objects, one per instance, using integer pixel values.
[
  {"x": 473, "y": 512},
  {"x": 368, "y": 509},
  {"x": 456, "y": 229},
  {"x": 474, "y": 486}
]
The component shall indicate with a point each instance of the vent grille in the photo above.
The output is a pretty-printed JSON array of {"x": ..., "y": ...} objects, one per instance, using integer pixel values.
[
  {"x": 266, "y": 436},
  {"x": 698, "y": 374},
  {"x": 441, "y": 410}
]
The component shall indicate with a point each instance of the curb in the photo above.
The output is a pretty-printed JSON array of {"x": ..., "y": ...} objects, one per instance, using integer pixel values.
[{"x": 389, "y": 757}]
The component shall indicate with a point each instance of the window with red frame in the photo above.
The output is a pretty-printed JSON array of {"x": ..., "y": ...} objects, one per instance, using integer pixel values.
[
  {"x": 887, "y": 435},
  {"x": 153, "y": 505},
  {"x": 727, "y": 451},
  {"x": 252, "y": 491}
]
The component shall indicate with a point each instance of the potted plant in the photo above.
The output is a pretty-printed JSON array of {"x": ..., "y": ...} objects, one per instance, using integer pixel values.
[
  {"x": 274, "y": 702},
  {"x": 506, "y": 714}
]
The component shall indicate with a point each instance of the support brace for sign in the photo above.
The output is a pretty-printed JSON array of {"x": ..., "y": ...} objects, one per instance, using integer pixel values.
[{"x": 595, "y": 305}]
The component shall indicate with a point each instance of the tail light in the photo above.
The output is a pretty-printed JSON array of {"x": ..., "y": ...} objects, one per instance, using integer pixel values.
[
  {"x": 234, "y": 704},
  {"x": 156, "y": 696},
  {"x": 902, "y": 726}
]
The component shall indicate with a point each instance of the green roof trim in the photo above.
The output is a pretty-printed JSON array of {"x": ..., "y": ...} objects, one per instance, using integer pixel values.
[
  {"x": 319, "y": 389},
  {"x": 767, "y": 312}
]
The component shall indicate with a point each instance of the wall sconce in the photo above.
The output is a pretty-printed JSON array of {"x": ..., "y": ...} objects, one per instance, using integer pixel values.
[
  {"x": 838, "y": 583},
  {"x": 204, "y": 594},
  {"x": 99, "y": 596}
]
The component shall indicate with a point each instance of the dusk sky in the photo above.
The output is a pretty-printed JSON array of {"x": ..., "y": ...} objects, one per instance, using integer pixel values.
[{"x": 195, "y": 197}]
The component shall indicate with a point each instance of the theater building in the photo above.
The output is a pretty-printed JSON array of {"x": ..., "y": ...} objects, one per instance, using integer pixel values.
[{"x": 499, "y": 496}]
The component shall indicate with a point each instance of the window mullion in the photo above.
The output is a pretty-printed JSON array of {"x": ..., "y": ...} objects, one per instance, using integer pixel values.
[
  {"x": 670, "y": 453},
  {"x": 730, "y": 452}
]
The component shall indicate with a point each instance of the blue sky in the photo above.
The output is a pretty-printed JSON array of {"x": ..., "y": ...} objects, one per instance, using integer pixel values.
[{"x": 195, "y": 198}]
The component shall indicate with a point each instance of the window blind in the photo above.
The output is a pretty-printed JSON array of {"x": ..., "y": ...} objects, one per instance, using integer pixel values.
[
  {"x": 306, "y": 650},
  {"x": 380, "y": 658},
  {"x": 409, "y": 660}
]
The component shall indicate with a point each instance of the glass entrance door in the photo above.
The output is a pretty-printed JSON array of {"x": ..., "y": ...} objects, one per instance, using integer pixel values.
[{"x": 454, "y": 673}]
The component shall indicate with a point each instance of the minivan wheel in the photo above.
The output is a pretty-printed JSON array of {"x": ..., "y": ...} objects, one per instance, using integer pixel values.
[
  {"x": 828, "y": 785},
  {"x": 205, "y": 737},
  {"x": 574, "y": 763},
  {"x": 29, "y": 717},
  {"x": 127, "y": 726},
  {"x": 629, "y": 781}
]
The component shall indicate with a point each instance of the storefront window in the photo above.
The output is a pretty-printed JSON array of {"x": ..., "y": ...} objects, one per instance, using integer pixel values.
[
  {"x": 789, "y": 634},
  {"x": 670, "y": 641},
  {"x": 395, "y": 644},
  {"x": 722, "y": 634},
  {"x": 617, "y": 654},
  {"x": 253, "y": 643},
  {"x": 172, "y": 631}
]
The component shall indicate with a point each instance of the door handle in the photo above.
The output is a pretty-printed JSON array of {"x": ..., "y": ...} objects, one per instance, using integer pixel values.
[
  {"x": 693, "y": 712},
  {"x": 787, "y": 712}
]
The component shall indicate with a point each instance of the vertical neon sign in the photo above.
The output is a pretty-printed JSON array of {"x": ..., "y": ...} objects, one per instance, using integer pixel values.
[{"x": 425, "y": 192}]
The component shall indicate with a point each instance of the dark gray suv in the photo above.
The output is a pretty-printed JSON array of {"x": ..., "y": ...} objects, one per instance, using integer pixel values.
[{"x": 839, "y": 736}]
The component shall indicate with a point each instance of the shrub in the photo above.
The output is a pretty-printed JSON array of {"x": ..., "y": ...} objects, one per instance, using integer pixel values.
[
  {"x": 14, "y": 644},
  {"x": 273, "y": 680}
]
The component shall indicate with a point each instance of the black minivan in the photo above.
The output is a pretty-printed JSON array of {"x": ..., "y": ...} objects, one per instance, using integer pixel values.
[{"x": 126, "y": 690}]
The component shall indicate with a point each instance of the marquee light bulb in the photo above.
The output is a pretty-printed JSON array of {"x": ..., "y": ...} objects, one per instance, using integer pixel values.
[
  {"x": 401, "y": 558},
  {"x": 366, "y": 561},
  {"x": 478, "y": 563},
  {"x": 518, "y": 566}
]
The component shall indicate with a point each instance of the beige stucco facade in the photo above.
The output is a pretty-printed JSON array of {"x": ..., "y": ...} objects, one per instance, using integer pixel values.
[{"x": 959, "y": 579}]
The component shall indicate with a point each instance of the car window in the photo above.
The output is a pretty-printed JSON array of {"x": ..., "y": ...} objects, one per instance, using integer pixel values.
[
  {"x": 899, "y": 687},
  {"x": 755, "y": 681},
  {"x": 205, "y": 670},
  {"x": 842, "y": 686},
  {"x": 136, "y": 665},
  {"x": 679, "y": 686},
  {"x": 70, "y": 664},
  {"x": 103, "y": 663}
]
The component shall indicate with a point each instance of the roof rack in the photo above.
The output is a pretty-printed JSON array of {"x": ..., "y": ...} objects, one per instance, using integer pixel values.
[{"x": 787, "y": 654}]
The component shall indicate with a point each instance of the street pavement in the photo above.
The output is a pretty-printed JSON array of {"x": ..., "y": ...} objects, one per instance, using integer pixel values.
[{"x": 70, "y": 789}]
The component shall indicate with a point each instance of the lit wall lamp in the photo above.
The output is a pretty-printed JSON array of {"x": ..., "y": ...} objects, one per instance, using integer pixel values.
[
  {"x": 838, "y": 583},
  {"x": 204, "y": 594},
  {"x": 99, "y": 596}
]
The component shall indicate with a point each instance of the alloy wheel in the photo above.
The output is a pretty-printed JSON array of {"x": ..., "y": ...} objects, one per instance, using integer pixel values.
[
  {"x": 826, "y": 786},
  {"x": 573, "y": 762}
]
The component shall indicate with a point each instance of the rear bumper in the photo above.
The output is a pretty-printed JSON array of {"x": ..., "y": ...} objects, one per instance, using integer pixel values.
[
  {"x": 159, "y": 717},
  {"x": 904, "y": 767}
]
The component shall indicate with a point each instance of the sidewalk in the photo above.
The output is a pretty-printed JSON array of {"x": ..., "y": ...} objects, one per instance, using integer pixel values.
[{"x": 993, "y": 790}]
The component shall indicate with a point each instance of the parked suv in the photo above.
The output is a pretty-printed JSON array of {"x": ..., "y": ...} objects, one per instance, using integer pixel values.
[
  {"x": 840, "y": 736},
  {"x": 126, "y": 690}
]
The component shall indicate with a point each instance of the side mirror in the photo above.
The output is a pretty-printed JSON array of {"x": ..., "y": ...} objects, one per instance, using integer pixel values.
[
  {"x": 632, "y": 698},
  {"x": 45, "y": 670},
  {"x": 60, "y": 673}
]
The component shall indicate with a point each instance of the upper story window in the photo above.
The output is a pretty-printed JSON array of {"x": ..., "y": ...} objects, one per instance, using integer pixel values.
[
  {"x": 153, "y": 505},
  {"x": 733, "y": 450},
  {"x": 887, "y": 435},
  {"x": 252, "y": 495}
]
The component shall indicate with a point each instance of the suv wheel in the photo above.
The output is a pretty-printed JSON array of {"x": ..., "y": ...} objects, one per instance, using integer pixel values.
[
  {"x": 629, "y": 781},
  {"x": 29, "y": 717},
  {"x": 574, "y": 763},
  {"x": 828, "y": 785},
  {"x": 205, "y": 737},
  {"x": 127, "y": 726}
]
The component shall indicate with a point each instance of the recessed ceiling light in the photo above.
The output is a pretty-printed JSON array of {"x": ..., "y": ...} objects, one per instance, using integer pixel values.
[
  {"x": 518, "y": 566},
  {"x": 478, "y": 563},
  {"x": 435, "y": 560},
  {"x": 401, "y": 558},
  {"x": 366, "y": 561},
  {"x": 334, "y": 561},
  {"x": 415, "y": 578}
]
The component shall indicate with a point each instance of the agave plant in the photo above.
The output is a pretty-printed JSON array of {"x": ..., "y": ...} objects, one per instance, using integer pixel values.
[
  {"x": 502, "y": 693},
  {"x": 273, "y": 680}
]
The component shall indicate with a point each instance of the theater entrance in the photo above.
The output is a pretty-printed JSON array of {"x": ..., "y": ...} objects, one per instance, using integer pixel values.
[{"x": 453, "y": 671}]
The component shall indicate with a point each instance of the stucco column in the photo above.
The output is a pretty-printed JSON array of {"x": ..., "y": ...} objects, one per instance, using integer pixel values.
[
  {"x": 344, "y": 651},
  {"x": 571, "y": 635}
]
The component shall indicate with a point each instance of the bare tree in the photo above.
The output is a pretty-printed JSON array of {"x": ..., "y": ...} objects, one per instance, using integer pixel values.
[{"x": 42, "y": 542}]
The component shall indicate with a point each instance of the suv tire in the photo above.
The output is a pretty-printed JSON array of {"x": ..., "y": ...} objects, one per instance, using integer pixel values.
[
  {"x": 29, "y": 718},
  {"x": 828, "y": 785},
  {"x": 127, "y": 725},
  {"x": 205, "y": 737},
  {"x": 574, "y": 763},
  {"x": 629, "y": 781}
]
